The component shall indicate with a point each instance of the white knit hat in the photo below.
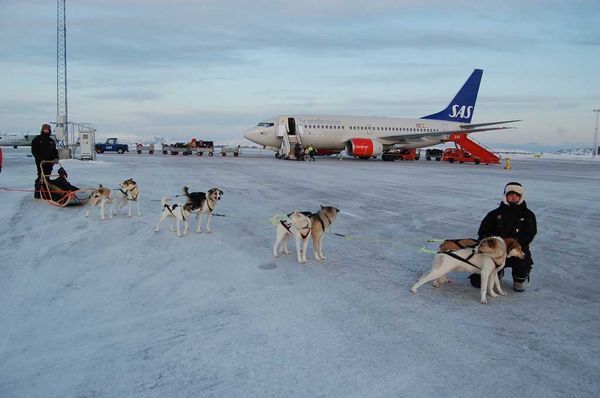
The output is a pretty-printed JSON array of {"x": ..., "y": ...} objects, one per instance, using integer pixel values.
[{"x": 516, "y": 188}]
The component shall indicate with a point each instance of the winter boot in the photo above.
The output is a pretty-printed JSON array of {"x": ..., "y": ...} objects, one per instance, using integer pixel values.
[
  {"x": 519, "y": 285},
  {"x": 475, "y": 280},
  {"x": 36, "y": 190}
]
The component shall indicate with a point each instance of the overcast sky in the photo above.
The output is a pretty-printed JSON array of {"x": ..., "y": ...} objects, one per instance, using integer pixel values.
[{"x": 212, "y": 69}]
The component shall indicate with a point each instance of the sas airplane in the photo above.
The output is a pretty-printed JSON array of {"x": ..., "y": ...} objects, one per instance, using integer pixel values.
[
  {"x": 367, "y": 137},
  {"x": 16, "y": 140}
]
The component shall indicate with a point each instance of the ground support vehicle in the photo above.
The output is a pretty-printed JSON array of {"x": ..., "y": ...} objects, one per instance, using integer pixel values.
[
  {"x": 111, "y": 145},
  {"x": 231, "y": 150},
  {"x": 401, "y": 154}
]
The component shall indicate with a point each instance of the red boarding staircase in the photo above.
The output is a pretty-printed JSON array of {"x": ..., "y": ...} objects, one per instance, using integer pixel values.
[{"x": 476, "y": 149}]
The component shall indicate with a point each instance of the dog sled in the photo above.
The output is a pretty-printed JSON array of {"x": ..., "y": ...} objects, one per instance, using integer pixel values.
[{"x": 56, "y": 193}]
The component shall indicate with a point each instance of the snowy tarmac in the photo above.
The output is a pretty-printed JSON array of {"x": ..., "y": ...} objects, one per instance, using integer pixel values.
[{"x": 92, "y": 308}]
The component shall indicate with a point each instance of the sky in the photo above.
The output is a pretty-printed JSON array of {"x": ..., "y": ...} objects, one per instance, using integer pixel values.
[{"x": 212, "y": 69}]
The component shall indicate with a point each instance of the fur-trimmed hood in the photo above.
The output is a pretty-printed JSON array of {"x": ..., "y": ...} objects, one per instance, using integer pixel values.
[{"x": 516, "y": 188}]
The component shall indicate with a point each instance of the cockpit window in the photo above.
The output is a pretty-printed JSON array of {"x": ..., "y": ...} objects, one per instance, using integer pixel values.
[{"x": 265, "y": 124}]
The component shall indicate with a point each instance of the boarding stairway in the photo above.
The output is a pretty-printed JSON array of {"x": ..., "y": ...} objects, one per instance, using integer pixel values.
[
  {"x": 288, "y": 143},
  {"x": 475, "y": 148}
]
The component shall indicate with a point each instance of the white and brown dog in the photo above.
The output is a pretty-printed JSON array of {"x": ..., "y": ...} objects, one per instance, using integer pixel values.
[
  {"x": 178, "y": 212},
  {"x": 203, "y": 203},
  {"x": 100, "y": 197},
  {"x": 319, "y": 222},
  {"x": 130, "y": 192},
  {"x": 487, "y": 259},
  {"x": 297, "y": 225}
]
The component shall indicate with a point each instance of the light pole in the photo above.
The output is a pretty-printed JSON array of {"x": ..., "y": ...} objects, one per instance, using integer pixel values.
[{"x": 595, "y": 149}]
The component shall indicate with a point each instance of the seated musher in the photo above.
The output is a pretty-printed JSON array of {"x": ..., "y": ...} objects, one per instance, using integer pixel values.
[
  {"x": 61, "y": 184},
  {"x": 512, "y": 219}
]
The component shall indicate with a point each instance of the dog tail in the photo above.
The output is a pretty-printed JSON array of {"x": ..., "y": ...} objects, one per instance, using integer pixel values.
[{"x": 165, "y": 200}]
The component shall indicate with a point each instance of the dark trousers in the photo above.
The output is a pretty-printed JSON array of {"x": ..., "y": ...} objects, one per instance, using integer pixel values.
[
  {"x": 520, "y": 270},
  {"x": 47, "y": 168}
]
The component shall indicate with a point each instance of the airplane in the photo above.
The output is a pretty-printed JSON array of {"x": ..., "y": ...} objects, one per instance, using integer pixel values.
[
  {"x": 15, "y": 140},
  {"x": 366, "y": 137}
]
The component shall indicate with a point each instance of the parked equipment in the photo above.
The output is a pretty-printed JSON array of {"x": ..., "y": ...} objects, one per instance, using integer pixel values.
[
  {"x": 468, "y": 151},
  {"x": 111, "y": 145},
  {"x": 401, "y": 154}
]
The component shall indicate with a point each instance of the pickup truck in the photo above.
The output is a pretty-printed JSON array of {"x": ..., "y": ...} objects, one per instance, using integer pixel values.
[{"x": 111, "y": 145}]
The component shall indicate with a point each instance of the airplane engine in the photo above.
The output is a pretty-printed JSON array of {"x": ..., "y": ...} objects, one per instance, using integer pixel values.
[{"x": 364, "y": 147}]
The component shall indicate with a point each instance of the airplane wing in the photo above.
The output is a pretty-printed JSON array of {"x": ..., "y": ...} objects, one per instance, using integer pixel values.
[
  {"x": 472, "y": 126},
  {"x": 464, "y": 129}
]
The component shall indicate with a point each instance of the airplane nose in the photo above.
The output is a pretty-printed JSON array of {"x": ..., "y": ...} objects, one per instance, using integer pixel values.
[{"x": 251, "y": 134}]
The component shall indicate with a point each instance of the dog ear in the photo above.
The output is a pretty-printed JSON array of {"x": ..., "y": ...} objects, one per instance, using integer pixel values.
[
  {"x": 322, "y": 207},
  {"x": 100, "y": 186},
  {"x": 337, "y": 210}
]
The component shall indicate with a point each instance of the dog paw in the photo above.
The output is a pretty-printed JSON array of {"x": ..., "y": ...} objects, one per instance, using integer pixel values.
[
  {"x": 436, "y": 284},
  {"x": 412, "y": 289},
  {"x": 493, "y": 294},
  {"x": 288, "y": 253},
  {"x": 503, "y": 293},
  {"x": 483, "y": 301}
]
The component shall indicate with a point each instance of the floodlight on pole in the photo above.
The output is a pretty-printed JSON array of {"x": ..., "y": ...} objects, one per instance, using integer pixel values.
[{"x": 595, "y": 148}]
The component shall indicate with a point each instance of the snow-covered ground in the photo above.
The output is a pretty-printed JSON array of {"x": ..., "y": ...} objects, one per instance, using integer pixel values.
[{"x": 112, "y": 309}]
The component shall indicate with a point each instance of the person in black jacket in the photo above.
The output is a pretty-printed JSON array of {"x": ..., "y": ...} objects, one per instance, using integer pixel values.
[
  {"x": 43, "y": 148},
  {"x": 512, "y": 219}
]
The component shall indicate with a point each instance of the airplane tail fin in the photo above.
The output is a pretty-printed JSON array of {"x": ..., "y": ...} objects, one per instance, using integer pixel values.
[{"x": 461, "y": 108}]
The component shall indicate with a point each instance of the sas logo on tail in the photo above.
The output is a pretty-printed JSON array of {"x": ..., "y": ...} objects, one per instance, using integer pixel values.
[{"x": 463, "y": 112}]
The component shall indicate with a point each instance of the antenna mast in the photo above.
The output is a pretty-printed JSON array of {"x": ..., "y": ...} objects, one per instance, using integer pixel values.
[{"x": 62, "y": 120}]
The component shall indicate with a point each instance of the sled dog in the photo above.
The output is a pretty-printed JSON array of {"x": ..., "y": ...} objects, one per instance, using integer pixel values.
[
  {"x": 203, "y": 203},
  {"x": 297, "y": 225},
  {"x": 100, "y": 197},
  {"x": 319, "y": 222},
  {"x": 474, "y": 261},
  {"x": 178, "y": 212},
  {"x": 130, "y": 192}
]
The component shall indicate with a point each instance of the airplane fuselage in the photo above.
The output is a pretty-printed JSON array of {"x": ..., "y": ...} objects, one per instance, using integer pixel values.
[
  {"x": 16, "y": 140},
  {"x": 331, "y": 132},
  {"x": 367, "y": 137}
]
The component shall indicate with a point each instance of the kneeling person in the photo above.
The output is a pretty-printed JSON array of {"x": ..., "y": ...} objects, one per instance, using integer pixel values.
[{"x": 512, "y": 219}]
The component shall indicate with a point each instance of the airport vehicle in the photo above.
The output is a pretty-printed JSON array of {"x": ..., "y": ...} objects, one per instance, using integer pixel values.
[
  {"x": 468, "y": 151},
  {"x": 232, "y": 150},
  {"x": 434, "y": 154},
  {"x": 401, "y": 154},
  {"x": 16, "y": 140},
  {"x": 141, "y": 147},
  {"x": 368, "y": 137},
  {"x": 458, "y": 155},
  {"x": 187, "y": 148},
  {"x": 112, "y": 145}
]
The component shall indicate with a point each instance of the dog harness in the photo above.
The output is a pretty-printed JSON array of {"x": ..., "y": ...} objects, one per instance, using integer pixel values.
[
  {"x": 318, "y": 217},
  {"x": 464, "y": 260},
  {"x": 129, "y": 194},
  {"x": 288, "y": 227},
  {"x": 173, "y": 214}
]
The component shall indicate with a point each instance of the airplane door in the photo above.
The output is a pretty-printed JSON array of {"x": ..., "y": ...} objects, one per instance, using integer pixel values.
[
  {"x": 292, "y": 126},
  {"x": 282, "y": 126}
]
